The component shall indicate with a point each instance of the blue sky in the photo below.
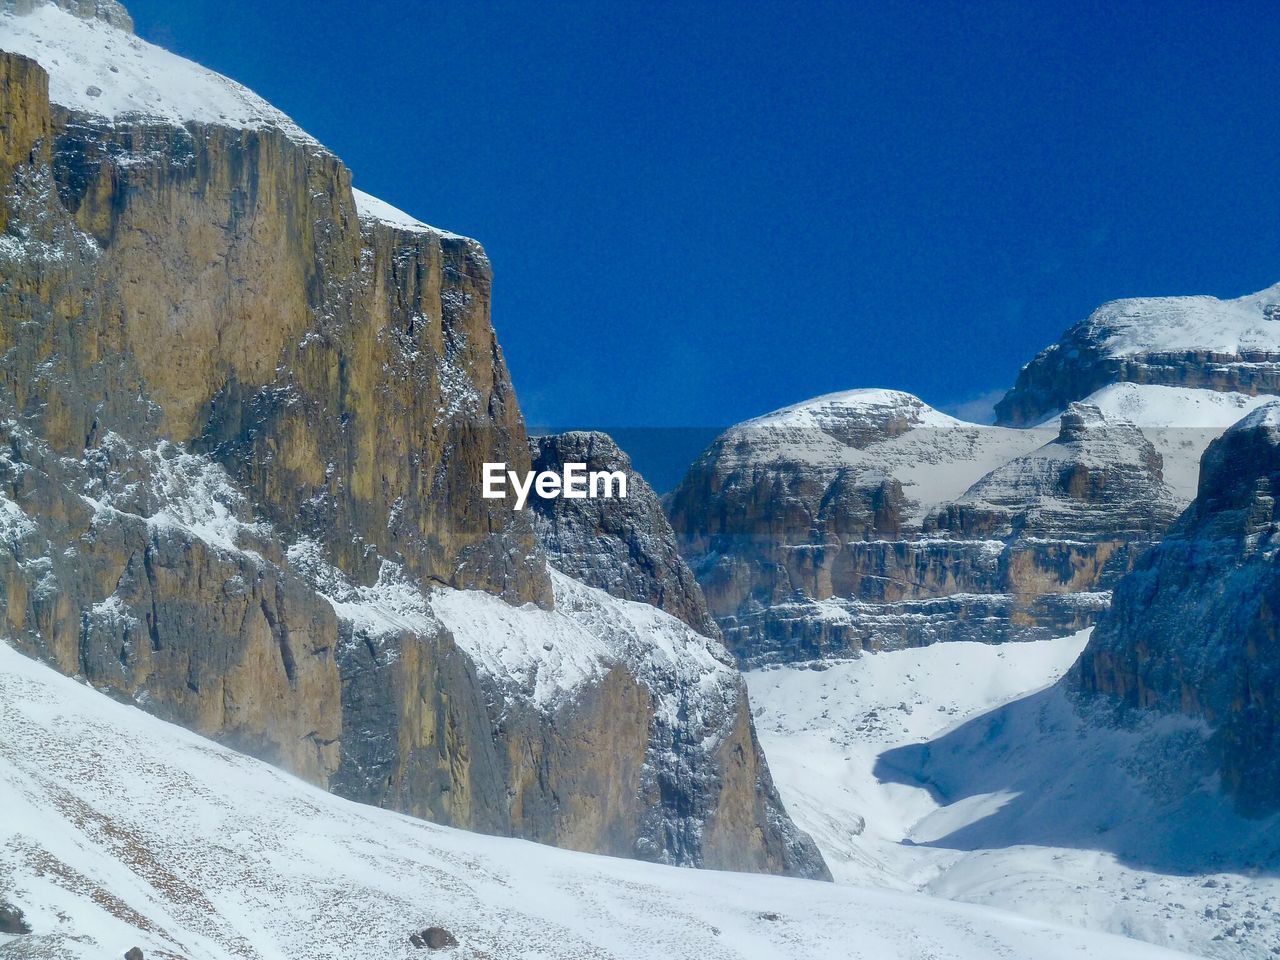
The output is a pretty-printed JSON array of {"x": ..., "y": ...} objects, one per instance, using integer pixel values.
[{"x": 698, "y": 212}]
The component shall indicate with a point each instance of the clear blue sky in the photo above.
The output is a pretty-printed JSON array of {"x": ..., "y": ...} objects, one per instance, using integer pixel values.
[{"x": 698, "y": 212}]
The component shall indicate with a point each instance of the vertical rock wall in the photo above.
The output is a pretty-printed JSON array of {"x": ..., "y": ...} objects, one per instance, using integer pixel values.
[{"x": 1194, "y": 628}]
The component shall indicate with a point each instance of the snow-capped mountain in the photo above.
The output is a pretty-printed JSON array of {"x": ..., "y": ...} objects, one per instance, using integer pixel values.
[
  {"x": 867, "y": 519},
  {"x": 871, "y": 520},
  {"x": 1194, "y": 342},
  {"x": 1006, "y": 774},
  {"x": 243, "y": 416},
  {"x": 244, "y": 411},
  {"x": 122, "y": 831}
]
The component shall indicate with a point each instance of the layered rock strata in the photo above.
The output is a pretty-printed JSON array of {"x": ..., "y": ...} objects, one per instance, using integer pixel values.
[{"x": 869, "y": 520}]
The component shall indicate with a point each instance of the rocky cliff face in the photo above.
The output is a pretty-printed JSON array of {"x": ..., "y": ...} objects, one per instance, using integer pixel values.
[
  {"x": 869, "y": 520},
  {"x": 1193, "y": 629},
  {"x": 1192, "y": 342},
  {"x": 244, "y": 412},
  {"x": 625, "y": 547}
]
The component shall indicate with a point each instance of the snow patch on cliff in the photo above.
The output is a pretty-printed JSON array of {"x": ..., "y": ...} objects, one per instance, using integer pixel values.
[
  {"x": 370, "y": 207},
  {"x": 550, "y": 653},
  {"x": 543, "y": 656},
  {"x": 171, "y": 489},
  {"x": 15, "y": 525},
  {"x": 1145, "y": 325}
]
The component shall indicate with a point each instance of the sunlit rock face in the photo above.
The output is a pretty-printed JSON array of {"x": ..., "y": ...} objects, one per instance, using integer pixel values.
[{"x": 244, "y": 410}]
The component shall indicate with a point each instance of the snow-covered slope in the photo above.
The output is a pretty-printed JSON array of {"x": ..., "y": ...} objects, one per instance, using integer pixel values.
[
  {"x": 551, "y": 652},
  {"x": 1178, "y": 324},
  {"x": 370, "y": 207},
  {"x": 103, "y": 70},
  {"x": 121, "y": 831},
  {"x": 823, "y": 730},
  {"x": 963, "y": 770}
]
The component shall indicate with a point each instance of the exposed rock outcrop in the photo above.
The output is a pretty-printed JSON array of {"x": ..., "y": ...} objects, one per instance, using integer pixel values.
[
  {"x": 12, "y": 921},
  {"x": 108, "y": 11},
  {"x": 1194, "y": 628},
  {"x": 244, "y": 410},
  {"x": 1100, "y": 478},
  {"x": 868, "y": 520},
  {"x": 624, "y": 546},
  {"x": 1196, "y": 342},
  {"x": 433, "y": 938}
]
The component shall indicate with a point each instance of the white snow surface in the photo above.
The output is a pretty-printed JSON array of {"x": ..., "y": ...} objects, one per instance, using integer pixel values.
[
  {"x": 551, "y": 653},
  {"x": 99, "y": 69},
  {"x": 120, "y": 830},
  {"x": 1152, "y": 406},
  {"x": 1153, "y": 325},
  {"x": 821, "y": 411},
  {"x": 1266, "y": 415},
  {"x": 962, "y": 770}
]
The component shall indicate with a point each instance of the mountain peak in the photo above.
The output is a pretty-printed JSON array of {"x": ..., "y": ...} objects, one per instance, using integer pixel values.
[
  {"x": 1266, "y": 417},
  {"x": 1198, "y": 341}
]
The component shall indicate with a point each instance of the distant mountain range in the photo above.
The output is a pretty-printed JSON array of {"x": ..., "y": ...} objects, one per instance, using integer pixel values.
[{"x": 869, "y": 520}]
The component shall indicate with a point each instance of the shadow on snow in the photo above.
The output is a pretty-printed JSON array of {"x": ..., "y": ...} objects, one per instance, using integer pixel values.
[{"x": 1049, "y": 771}]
